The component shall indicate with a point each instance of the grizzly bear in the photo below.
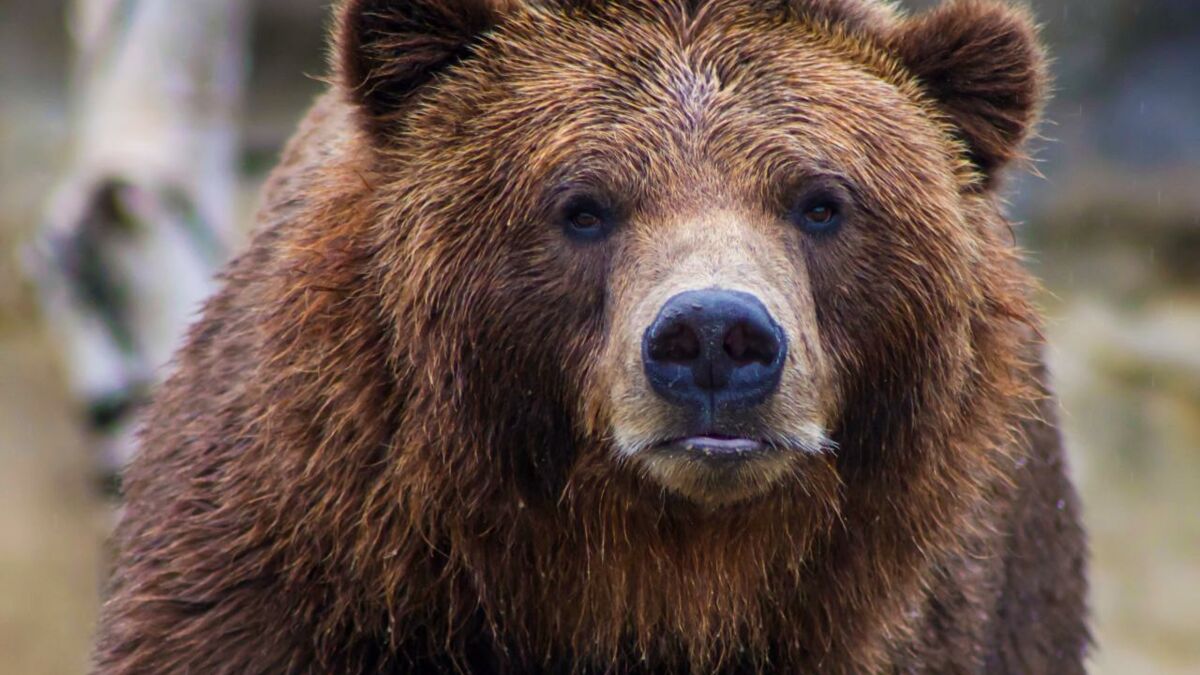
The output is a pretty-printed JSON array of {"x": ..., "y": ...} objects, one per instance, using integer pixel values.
[{"x": 622, "y": 336}]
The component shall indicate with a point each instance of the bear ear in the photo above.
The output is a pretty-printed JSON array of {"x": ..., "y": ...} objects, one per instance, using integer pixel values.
[
  {"x": 983, "y": 63},
  {"x": 385, "y": 51}
]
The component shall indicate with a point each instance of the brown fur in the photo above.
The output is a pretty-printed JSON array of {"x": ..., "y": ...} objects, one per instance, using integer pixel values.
[{"x": 392, "y": 444}]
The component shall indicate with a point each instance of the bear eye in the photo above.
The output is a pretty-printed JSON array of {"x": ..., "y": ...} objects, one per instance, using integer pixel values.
[
  {"x": 819, "y": 214},
  {"x": 586, "y": 219}
]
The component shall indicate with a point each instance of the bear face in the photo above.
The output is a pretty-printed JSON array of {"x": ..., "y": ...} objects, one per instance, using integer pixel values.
[{"x": 688, "y": 235}]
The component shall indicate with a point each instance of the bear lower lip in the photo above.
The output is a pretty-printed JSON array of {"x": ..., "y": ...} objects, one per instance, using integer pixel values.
[{"x": 716, "y": 448}]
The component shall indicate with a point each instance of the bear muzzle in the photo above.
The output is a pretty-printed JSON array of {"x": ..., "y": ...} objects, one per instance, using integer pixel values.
[{"x": 714, "y": 355}]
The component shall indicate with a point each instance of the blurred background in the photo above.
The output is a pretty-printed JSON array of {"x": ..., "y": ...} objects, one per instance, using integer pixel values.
[{"x": 118, "y": 114}]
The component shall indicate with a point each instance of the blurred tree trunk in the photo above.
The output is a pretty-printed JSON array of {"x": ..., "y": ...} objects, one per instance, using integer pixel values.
[{"x": 146, "y": 211}]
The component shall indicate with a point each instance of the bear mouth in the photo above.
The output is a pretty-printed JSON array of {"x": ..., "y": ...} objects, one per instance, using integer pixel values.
[{"x": 715, "y": 449}]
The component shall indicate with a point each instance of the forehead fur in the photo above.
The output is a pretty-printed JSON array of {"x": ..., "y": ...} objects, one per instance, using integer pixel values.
[
  {"x": 974, "y": 67},
  {"x": 859, "y": 15},
  {"x": 622, "y": 91},
  {"x": 700, "y": 31}
]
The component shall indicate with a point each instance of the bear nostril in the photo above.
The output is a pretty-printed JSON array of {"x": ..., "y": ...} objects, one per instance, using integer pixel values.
[
  {"x": 746, "y": 343},
  {"x": 678, "y": 343}
]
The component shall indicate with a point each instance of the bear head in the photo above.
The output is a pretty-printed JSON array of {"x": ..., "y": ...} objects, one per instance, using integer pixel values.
[{"x": 710, "y": 241}]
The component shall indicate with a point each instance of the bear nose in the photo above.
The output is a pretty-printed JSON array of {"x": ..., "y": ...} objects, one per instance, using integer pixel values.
[{"x": 714, "y": 350}]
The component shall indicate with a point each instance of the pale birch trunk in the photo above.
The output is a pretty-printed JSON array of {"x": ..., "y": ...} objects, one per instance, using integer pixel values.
[{"x": 146, "y": 211}]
